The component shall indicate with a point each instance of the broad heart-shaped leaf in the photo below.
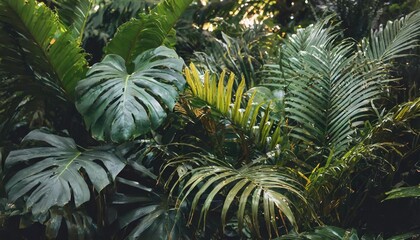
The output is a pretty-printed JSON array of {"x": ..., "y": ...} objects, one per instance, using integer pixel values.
[
  {"x": 118, "y": 105},
  {"x": 53, "y": 176}
]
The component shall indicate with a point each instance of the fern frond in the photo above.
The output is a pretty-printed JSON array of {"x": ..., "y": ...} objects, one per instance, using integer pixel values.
[{"x": 316, "y": 35}]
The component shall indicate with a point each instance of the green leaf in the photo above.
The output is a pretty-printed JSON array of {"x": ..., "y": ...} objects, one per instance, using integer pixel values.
[
  {"x": 40, "y": 63},
  {"x": 170, "y": 10},
  {"x": 327, "y": 88},
  {"x": 250, "y": 117},
  {"x": 149, "y": 214},
  {"x": 136, "y": 36},
  {"x": 49, "y": 52},
  {"x": 378, "y": 142},
  {"x": 53, "y": 177},
  {"x": 393, "y": 40},
  {"x": 243, "y": 191},
  {"x": 74, "y": 14},
  {"x": 79, "y": 225},
  {"x": 241, "y": 55},
  {"x": 147, "y": 32},
  {"x": 118, "y": 105},
  {"x": 403, "y": 192}
]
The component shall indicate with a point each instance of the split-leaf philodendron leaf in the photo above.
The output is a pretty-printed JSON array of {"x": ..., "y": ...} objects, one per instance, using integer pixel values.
[
  {"x": 120, "y": 105},
  {"x": 54, "y": 173}
]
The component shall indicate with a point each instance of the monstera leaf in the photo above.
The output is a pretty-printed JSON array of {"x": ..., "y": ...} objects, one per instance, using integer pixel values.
[
  {"x": 119, "y": 105},
  {"x": 53, "y": 177}
]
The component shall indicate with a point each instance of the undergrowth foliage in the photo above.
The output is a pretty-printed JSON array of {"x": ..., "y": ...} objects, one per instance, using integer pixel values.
[{"x": 141, "y": 145}]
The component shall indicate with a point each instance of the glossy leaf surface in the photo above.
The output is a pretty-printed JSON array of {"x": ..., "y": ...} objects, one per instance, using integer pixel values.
[{"x": 119, "y": 105}]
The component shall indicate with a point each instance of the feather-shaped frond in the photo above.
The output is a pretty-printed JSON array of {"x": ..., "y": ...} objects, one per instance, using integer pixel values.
[
  {"x": 74, "y": 14},
  {"x": 149, "y": 31},
  {"x": 327, "y": 90},
  {"x": 47, "y": 49},
  {"x": 40, "y": 60},
  {"x": 375, "y": 145},
  {"x": 393, "y": 40}
]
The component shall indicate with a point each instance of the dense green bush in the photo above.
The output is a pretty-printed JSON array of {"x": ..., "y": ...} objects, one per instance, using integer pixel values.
[{"x": 243, "y": 132}]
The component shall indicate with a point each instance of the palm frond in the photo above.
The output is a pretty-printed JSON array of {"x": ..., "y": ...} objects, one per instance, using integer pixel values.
[
  {"x": 74, "y": 14},
  {"x": 305, "y": 39},
  {"x": 250, "y": 117},
  {"x": 326, "y": 95},
  {"x": 241, "y": 55},
  {"x": 149, "y": 31},
  {"x": 40, "y": 62},
  {"x": 393, "y": 40},
  {"x": 260, "y": 193},
  {"x": 53, "y": 177},
  {"x": 46, "y": 48},
  {"x": 406, "y": 113},
  {"x": 325, "y": 180},
  {"x": 171, "y": 10}
]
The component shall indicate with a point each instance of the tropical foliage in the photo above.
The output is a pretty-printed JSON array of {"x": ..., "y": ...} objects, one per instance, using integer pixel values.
[{"x": 191, "y": 128}]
